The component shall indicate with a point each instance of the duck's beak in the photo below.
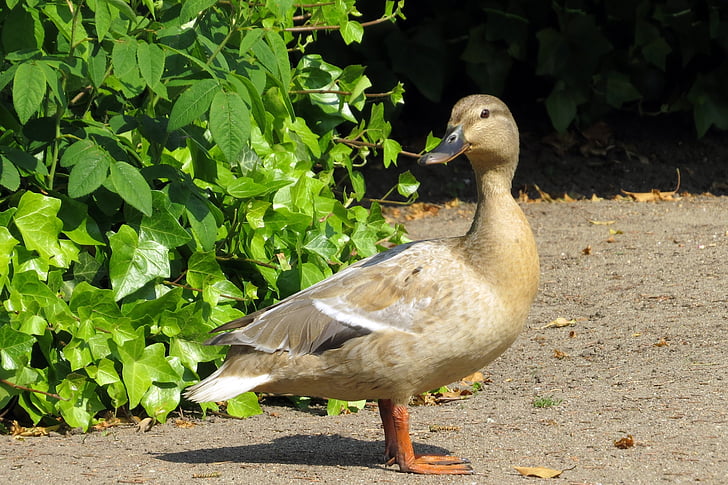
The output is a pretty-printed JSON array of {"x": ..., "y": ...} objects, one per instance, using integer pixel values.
[{"x": 452, "y": 145}]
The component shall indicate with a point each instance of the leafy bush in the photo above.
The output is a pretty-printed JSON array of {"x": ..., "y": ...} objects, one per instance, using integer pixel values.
[
  {"x": 164, "y": 168},
  {"x": 581, "y": 59}
]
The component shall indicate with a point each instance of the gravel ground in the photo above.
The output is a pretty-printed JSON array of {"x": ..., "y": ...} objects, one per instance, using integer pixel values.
[{"x": 643, "y": 286}]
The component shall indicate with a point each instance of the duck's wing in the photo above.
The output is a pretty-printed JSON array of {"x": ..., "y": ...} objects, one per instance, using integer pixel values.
[{"x": 384, "y": 292}]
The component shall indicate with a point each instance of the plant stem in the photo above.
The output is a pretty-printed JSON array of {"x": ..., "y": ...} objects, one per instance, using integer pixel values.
[{"x": 23, "y": 388}]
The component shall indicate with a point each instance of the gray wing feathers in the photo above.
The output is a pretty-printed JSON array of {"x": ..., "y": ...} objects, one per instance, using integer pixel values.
[{"x": 375, "y": 294}]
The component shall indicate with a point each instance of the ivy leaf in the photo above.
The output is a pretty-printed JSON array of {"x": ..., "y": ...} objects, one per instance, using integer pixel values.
[
  {"x": 135, "y": 262},
  {"x": 352, "y": 31},
  {"x": 82, "y": 401},
  {"x": 161, "y": 399},
  {"x": 561, "y": 107},
  {"x": 132, "y": 187},
  {"x": 244, "y": 405},
  {"x": 37, "y": 222},
  {"x": 162, "y": 226},
  {"x": 229, "y": 124},
  {"x": 78, "y": 225},
  {"x": 15, "y": 348},
  {"x": 192, "y": 103},
  {"x": 392, "y": 149},
  {"x": 7, "y": 244},
  {"x": 29, "y": 88},
  {"x": 190, "y": 352},
  {"x": 139, "y": 372},
  {"x": 407, "y": 184}
]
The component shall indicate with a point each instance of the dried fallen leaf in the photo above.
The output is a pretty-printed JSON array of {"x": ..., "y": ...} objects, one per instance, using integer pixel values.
[
  {"x": 544, "y": 196},
  {"x": 538, "y": 471},
  {"x": 145, "y": 424},
  {"x": 559, "y": 354},
  {"x": 601, "y": 223},
  {"x": 662, "y": 343},
  {"x": 434, "y": 428},
  {"x": 586, "y": 251},
  {"x": 472, "y": 378},
  {"x": 559, "y": 322},
  {"x": 654, "y": 195},
  {"x": 183, "y": 423},
  {"x": 624, "y": 443}
]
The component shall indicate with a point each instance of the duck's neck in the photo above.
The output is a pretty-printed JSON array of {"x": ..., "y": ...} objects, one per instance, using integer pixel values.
[
  {"x": 495, "y": 201},
  {"x": 500, "y": 243}
]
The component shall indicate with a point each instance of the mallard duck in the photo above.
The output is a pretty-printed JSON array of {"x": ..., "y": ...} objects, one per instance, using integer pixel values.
[{"x": 407, "y": 320}]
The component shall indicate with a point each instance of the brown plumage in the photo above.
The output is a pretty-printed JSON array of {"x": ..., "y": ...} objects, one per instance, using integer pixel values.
[{"x": 408, "y": 320}]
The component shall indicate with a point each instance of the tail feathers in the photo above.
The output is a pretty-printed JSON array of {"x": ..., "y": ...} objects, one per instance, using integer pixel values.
[{"x": 219, "y": 387}]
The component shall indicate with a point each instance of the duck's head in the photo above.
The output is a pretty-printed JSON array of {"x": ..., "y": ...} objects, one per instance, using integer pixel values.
[{"x": 482, "y": 128}]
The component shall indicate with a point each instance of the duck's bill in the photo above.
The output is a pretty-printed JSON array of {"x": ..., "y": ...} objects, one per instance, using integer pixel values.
[{"x": 452, "y": 145}]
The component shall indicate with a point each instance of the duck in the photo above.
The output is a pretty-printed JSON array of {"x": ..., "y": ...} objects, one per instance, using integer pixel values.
[{"x": 407, "y": 320}]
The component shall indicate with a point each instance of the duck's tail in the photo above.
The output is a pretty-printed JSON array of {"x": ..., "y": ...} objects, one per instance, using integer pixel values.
[{"x": 220, "y": 386}]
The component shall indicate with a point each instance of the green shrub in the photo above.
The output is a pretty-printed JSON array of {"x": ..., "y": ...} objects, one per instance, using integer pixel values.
[
  {"x": 164, "y": 168},
  {"x": 581, "y": 59}
]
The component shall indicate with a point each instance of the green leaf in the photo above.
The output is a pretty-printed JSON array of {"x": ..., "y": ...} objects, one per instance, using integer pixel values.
[
  {"x": 407, "y": 184},
  {"x": 15, "y": 348},
  {"x": 192, "y": 103},
  {"x": 163, "y": 226},
  {"x": 230, "y": 124},
  {"x": 139, "y": 372},
  {"x": 82, "y": 401},
  {"x": 9, "y": 176},
  {"x": 161, "y": 399},
  {"x": 97, "y": 67},
  {"x": 392, "y": 149},
  {"x": 29, "y": 88},
  {"x": 132, "y": 187},
  {"x": 352, "y": 31},
  {"x": 37, "y": 222},
  {"x": 88, "y": 172},
  {"x": 126, "y": 67},
  {"x": 561, "y": 107},
  {"x": 190, "y": 353},
  {"x": 620, "y": 90},
  {"x": 78, "y": 225},
  {"x": 151, "y": 63},
  {"x": 23, "y": 22},
  {"x": 123, "y": 7},
  {"x": 102, "y": 19},
  {"x": 135, "y": 262},
  {"x": 244, "y": 405},
  {"x": 192, "y": 8},
  {"x": 7, "y": 244},
  {"x": 202, "y": 223}
]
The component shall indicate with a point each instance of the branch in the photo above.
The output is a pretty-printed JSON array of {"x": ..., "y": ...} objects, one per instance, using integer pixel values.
[
  {"x": 357, "y": 143},
  {"x": 23, "y": 388},
  {"x": 311, "y": 28},
  {"x": 336, "y": 91},
  {"x": 187, "y": 287}
]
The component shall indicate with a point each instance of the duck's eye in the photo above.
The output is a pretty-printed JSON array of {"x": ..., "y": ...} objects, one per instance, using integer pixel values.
[{"x": 485, "y": 113}]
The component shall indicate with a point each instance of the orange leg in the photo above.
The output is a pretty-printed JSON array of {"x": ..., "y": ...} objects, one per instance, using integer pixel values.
[{"x": 398, "y": 446}]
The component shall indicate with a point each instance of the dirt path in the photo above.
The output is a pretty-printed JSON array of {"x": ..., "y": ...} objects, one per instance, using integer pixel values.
[{"x": 644, "y": 357}]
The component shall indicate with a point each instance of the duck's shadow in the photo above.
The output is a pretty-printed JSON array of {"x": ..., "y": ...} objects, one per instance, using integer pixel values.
[{"x": 299, "y": 449}]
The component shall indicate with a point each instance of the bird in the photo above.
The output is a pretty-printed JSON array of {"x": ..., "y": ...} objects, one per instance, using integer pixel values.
[{"x": 407, "y": 320}]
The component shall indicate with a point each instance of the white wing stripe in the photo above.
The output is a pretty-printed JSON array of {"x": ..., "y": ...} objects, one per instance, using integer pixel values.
[{"x": 372, "y": 321}]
